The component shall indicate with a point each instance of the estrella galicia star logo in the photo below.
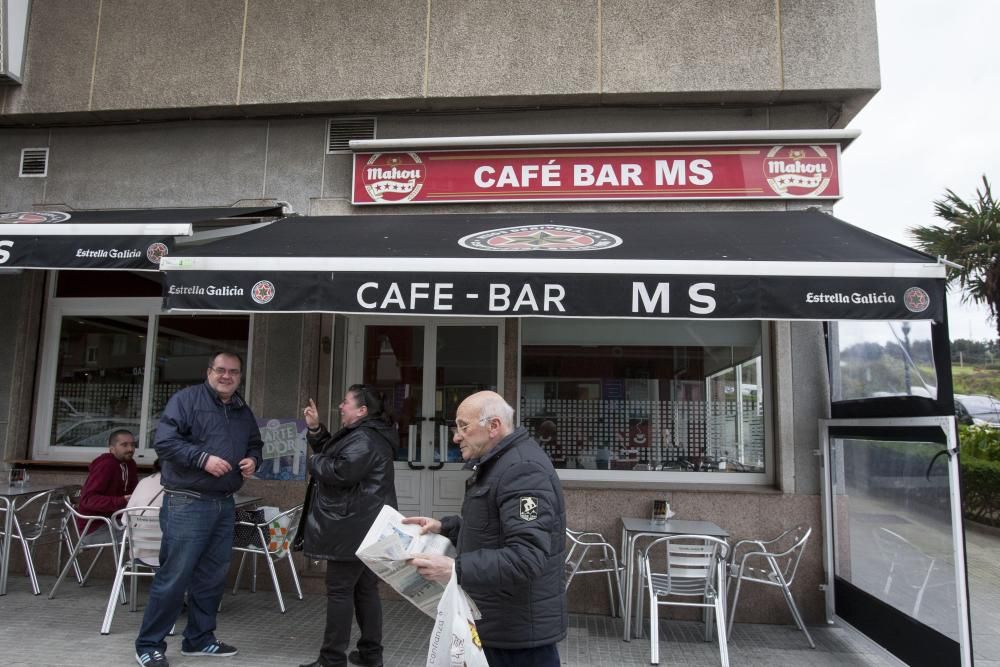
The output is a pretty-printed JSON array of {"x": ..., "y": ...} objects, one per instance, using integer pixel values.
[
  {"x": 263, "y": 291},
  {"x": 550, "y": 238},
  {"x": 916, "y": 300}
]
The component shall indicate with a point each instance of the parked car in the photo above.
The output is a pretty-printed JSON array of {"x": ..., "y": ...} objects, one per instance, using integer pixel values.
[
  {"x": 95, "y": 431},
  {"x": 979, "y": 410}
]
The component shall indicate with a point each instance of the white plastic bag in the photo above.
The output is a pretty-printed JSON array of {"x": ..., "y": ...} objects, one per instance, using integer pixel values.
[{"x": 455, "y": 640}]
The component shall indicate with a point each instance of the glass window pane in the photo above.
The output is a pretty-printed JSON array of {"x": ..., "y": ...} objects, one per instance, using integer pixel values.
[
  {"x": 394, "y": 363},
  {"x": 877, "y": 359},
  {"x": 98, "y": 379},
  {"x": 183, "y": 346},
  {"x": 466, "y": 363},
  {"x": 615, "y": 403},
  {"x": 892, "y": 527}
]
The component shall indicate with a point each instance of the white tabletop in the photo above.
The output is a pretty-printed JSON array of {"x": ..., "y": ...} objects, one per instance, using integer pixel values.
[{"x": 674, "y": 527}]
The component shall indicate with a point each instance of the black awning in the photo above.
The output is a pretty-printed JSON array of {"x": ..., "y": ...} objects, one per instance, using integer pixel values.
[
  {"x": 108, "y": 239},
  {"x": 740, "y": 265}
]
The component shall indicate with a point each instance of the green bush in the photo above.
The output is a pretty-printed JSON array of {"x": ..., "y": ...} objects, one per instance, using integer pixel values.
[
  {"x": 980, "y": 442},
  {"x": 981, "y": 490}
]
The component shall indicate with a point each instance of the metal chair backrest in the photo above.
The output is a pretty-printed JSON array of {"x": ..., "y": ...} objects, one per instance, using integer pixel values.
[
  {"x": 787, "y": 561},
  {"x": 690, "y": 566},
  {"x": 142, "y": 532},
  {"x": 30, "y": 515},
  {"x": 279, "y": 547}
]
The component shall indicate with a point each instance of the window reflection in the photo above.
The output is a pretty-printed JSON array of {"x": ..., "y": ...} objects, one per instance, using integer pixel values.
[
  {"x": 879, "y": 359},
  {"x": 98, "y": 379},
  {"x": 646, "y": 407}
]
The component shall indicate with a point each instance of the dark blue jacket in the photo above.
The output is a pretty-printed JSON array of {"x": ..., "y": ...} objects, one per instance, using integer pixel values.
[
  {"x": 511, "y": 541},
  {"x": 195, "y": 424}
]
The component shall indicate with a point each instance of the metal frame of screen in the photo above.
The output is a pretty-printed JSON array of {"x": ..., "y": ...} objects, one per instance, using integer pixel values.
[{"x": 907, "y": 638}]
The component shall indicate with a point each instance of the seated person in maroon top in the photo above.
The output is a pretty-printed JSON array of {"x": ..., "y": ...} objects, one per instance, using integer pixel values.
[{"x": 110, "y": 482}]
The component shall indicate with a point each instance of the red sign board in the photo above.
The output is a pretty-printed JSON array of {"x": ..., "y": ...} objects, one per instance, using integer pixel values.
[{"x": 752, "y": 171}]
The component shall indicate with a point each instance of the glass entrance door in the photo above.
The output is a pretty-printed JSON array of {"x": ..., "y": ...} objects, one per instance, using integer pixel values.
[{"x": 426, "y": 368}]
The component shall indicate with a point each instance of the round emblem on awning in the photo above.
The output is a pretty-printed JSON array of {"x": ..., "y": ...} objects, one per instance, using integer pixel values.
[
  {"x": 156, "y": 251},
  {"x": 916, "y": 300},
  {"x": 34, "y": 217},
  {"x": 550, "y": 238},
  {"x": 263, "y": 291}
]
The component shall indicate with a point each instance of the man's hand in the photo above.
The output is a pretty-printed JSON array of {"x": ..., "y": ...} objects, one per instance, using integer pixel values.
[
  {"x": 217, "y": 467},
  {"x": 433, "y": 567},
  {"x": 248, "y": 467},
  {"x": 311, "y": 414},
  {"x": 427, "y": 524},
  {"x": 127, "y": 497}
]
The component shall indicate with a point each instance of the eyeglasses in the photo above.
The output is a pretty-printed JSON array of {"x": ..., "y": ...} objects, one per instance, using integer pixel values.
[
  {"x": 463, "y": 427},
  {"x": 234, "y": 372}
]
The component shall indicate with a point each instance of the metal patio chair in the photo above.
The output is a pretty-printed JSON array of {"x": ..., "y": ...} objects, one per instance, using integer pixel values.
[
  {"x": 81, "y": 533},
  {"x": 771, "y": 563},
  {"x": 274, "y": 544},
  {"x": 590, "y": 553},
  {"x": 140, "y": 540},
  {"x": 36, "y": 519},
  {"x": 693, "y": 566}
]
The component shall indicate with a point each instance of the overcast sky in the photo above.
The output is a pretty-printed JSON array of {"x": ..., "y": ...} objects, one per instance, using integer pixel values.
[{"x": 933, "y": 126}]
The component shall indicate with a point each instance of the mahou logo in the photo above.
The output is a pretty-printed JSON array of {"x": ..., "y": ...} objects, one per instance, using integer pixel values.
[
  {"x": 391, "y": 178},
  {"x": 798, "y": 171}
]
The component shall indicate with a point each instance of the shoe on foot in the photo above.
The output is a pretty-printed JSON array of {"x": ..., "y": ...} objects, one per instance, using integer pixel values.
[
  {"x": 216, "y": 649},
  {"x": 355, "y": 658},
  {"x": 151, "y": 659}
]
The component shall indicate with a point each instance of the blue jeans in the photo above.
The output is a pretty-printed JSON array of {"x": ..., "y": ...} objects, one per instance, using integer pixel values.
[{"x": 194, "y": 557}]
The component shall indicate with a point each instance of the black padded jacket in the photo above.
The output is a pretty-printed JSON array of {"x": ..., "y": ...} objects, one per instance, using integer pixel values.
[
  {"x": 511, "y": 539},
  {"x": 354, "y": 476}
]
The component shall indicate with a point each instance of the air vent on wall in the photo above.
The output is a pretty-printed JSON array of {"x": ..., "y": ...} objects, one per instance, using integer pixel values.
[
  {"x": 342, "y": 130},
  {"x": 34, "y": 162}
]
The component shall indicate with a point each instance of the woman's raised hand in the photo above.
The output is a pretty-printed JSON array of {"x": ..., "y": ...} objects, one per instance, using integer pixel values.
[{"x": 312, "y": 415}]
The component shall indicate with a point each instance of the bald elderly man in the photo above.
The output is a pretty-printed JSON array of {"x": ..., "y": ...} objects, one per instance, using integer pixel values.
[{"x": 510, "y": 537}]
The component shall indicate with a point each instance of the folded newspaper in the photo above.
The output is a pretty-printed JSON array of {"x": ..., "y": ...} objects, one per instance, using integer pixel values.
[{"x": 386, "y": 550}]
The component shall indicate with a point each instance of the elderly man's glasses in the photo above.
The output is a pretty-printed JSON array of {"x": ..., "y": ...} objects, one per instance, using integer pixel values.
[
  {"x": 463, "y": 427},
  {"x": 232, "y": 372}
]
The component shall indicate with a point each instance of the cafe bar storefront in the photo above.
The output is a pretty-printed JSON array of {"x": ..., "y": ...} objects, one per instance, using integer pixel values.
[{"x": 685, "y": 354}]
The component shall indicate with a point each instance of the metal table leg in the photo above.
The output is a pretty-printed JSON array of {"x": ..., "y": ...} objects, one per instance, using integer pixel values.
[{"x": 8, "y": 527}]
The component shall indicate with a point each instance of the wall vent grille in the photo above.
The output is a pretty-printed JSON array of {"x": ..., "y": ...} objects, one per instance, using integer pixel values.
[
  {"x": 343, "y": 130},
  {"x": 34, "y": 162}
]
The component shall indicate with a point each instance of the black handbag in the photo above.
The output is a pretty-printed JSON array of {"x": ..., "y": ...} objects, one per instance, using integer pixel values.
[
  {"x": 247, "y": 536},
  {"x": 300, "y": 533}
]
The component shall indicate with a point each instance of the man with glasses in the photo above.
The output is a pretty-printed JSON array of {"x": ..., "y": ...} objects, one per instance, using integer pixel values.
[
  {"x": 208, "y": 443},
  {"x": 510, "y": 537}
]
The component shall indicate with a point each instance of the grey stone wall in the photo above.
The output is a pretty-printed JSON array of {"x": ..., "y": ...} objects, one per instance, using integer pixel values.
[{"x": 100, "y": 60}]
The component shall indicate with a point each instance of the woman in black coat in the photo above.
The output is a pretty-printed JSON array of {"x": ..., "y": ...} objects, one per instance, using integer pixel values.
[{"x": 354, "y": 477}]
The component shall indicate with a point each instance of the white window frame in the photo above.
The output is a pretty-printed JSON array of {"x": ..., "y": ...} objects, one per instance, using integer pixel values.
[
  {"x": 643, "y": 478},
  {"x": 57, "y": 309}
]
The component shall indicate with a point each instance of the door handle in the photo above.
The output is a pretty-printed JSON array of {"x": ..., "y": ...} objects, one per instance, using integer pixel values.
[
  {"x": 442, "y": 448},
  {"x": 411, "y": 446}
]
